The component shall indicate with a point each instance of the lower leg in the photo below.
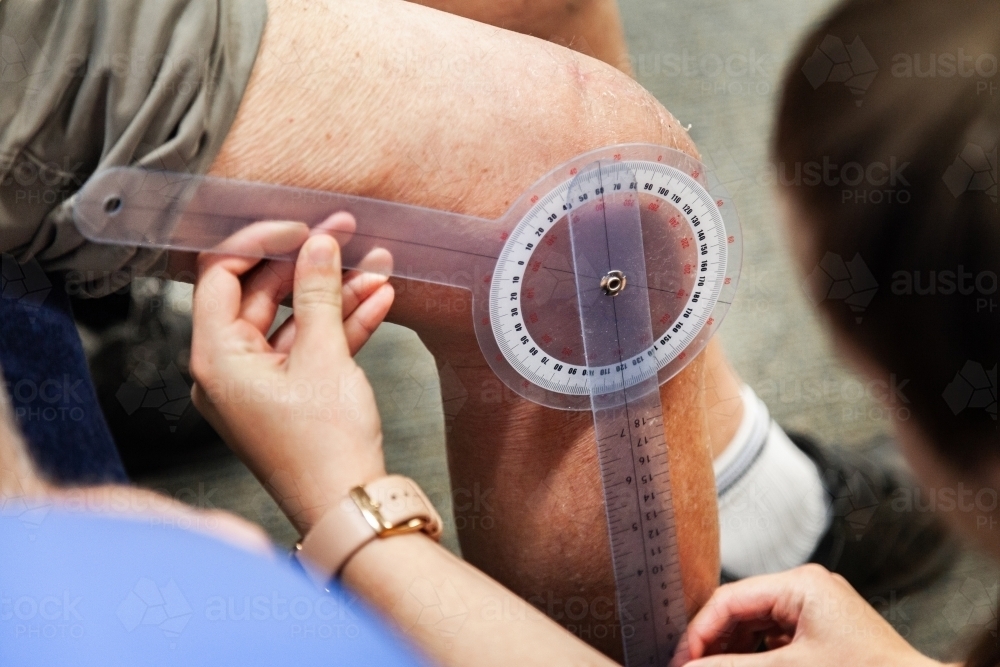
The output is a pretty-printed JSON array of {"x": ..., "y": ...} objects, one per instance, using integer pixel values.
[{"x": 528, "y": 495}]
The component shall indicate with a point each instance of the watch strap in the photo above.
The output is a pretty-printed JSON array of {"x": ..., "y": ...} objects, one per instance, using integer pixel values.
[{"x": 391, "y": 505}]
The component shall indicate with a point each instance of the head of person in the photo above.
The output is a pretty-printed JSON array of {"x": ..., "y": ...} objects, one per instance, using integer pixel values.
[{"x": 885, "y": 152}]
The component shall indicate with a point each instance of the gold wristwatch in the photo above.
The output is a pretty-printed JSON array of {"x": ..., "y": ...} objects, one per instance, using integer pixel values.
[{"x": 392, "y": 505}]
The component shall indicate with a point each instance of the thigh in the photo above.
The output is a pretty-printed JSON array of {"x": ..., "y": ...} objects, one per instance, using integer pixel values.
[{"x": 393, "y": 100}]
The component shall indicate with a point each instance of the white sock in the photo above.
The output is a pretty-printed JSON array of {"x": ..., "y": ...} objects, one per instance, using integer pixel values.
[{"x": 773, "y": 509}]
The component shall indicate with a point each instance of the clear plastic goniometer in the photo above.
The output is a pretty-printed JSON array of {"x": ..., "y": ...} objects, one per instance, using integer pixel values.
[{"x": 600, "y": 283}]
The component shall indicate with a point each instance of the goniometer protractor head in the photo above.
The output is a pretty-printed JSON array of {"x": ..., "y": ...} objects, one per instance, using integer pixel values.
[{"x": 693, "y": 253}]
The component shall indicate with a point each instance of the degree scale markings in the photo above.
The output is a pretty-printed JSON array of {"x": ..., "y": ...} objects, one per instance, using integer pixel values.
[{"x": 704, "y": 224}]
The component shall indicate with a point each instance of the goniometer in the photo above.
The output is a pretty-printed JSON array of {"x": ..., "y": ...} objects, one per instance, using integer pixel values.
[{"x": 600, "y": 283}]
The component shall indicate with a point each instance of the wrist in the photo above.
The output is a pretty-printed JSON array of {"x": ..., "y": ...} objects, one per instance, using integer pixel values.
[{"x": 306, "y": 497}]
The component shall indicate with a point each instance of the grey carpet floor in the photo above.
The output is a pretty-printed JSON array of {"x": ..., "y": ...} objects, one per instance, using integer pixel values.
[{"x": 732, "y": 56}]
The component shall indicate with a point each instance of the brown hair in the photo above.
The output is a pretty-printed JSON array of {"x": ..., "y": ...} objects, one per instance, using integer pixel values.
[
  {"x": 908, "y": 130},
  {"x": 886, "y": 143}
]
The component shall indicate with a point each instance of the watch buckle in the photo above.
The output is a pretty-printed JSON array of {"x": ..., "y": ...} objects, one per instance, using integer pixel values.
[{"x": 371, "y": 511}]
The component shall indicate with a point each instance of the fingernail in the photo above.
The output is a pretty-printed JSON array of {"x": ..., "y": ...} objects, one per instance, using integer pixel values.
[{"x": 321, "y": 251}]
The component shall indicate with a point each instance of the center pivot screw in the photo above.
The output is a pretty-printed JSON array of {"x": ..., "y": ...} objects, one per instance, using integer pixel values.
[{"x": 613, "y": 283}]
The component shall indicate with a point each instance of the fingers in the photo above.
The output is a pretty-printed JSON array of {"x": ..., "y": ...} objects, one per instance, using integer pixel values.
[
  {"x": 243, "y": 250},
  {"x": 263, "y": 292},
  {"x": 216, "y": 305},
  {"x": 759, "y": 603},
  {"x": 370, "y": 291},
  {"x": 361, "y": 283},
  {"x": 217, "y": 300},
  {"x": 341, "y": 226},
  {"x": 361, "y": 324},
  {"x": 317, "y": 299}
]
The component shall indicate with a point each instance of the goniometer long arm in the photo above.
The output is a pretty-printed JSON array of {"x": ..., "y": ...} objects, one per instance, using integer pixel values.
[{"x": 127, "y": 206}]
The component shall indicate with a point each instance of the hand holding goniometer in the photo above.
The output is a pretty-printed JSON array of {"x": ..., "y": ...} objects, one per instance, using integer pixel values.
[{"x": 650, "y": 258}]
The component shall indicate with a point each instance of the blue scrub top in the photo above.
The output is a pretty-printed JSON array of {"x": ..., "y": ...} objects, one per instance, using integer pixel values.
[{"x": 84, "y": 589}]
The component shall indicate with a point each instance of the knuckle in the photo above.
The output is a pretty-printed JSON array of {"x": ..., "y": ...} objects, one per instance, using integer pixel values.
[
  {"x": 318, "y": 296},
  {"x": 814, "y": 572}
]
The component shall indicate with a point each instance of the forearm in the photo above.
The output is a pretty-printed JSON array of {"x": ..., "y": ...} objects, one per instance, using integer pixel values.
[{"x": 455, "y": 613}]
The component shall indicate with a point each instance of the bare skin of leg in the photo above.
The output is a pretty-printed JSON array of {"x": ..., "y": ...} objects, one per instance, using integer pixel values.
[
  {"x": 436, "y": 110},
  {"x": 592, "y": 27}
]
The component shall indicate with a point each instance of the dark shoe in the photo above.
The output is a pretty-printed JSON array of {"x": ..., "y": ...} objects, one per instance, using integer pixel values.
[{"x": 877, "y": 541}]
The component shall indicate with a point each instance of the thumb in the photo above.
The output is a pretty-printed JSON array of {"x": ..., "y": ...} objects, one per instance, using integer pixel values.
[{"x": 317, "y": 299}]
